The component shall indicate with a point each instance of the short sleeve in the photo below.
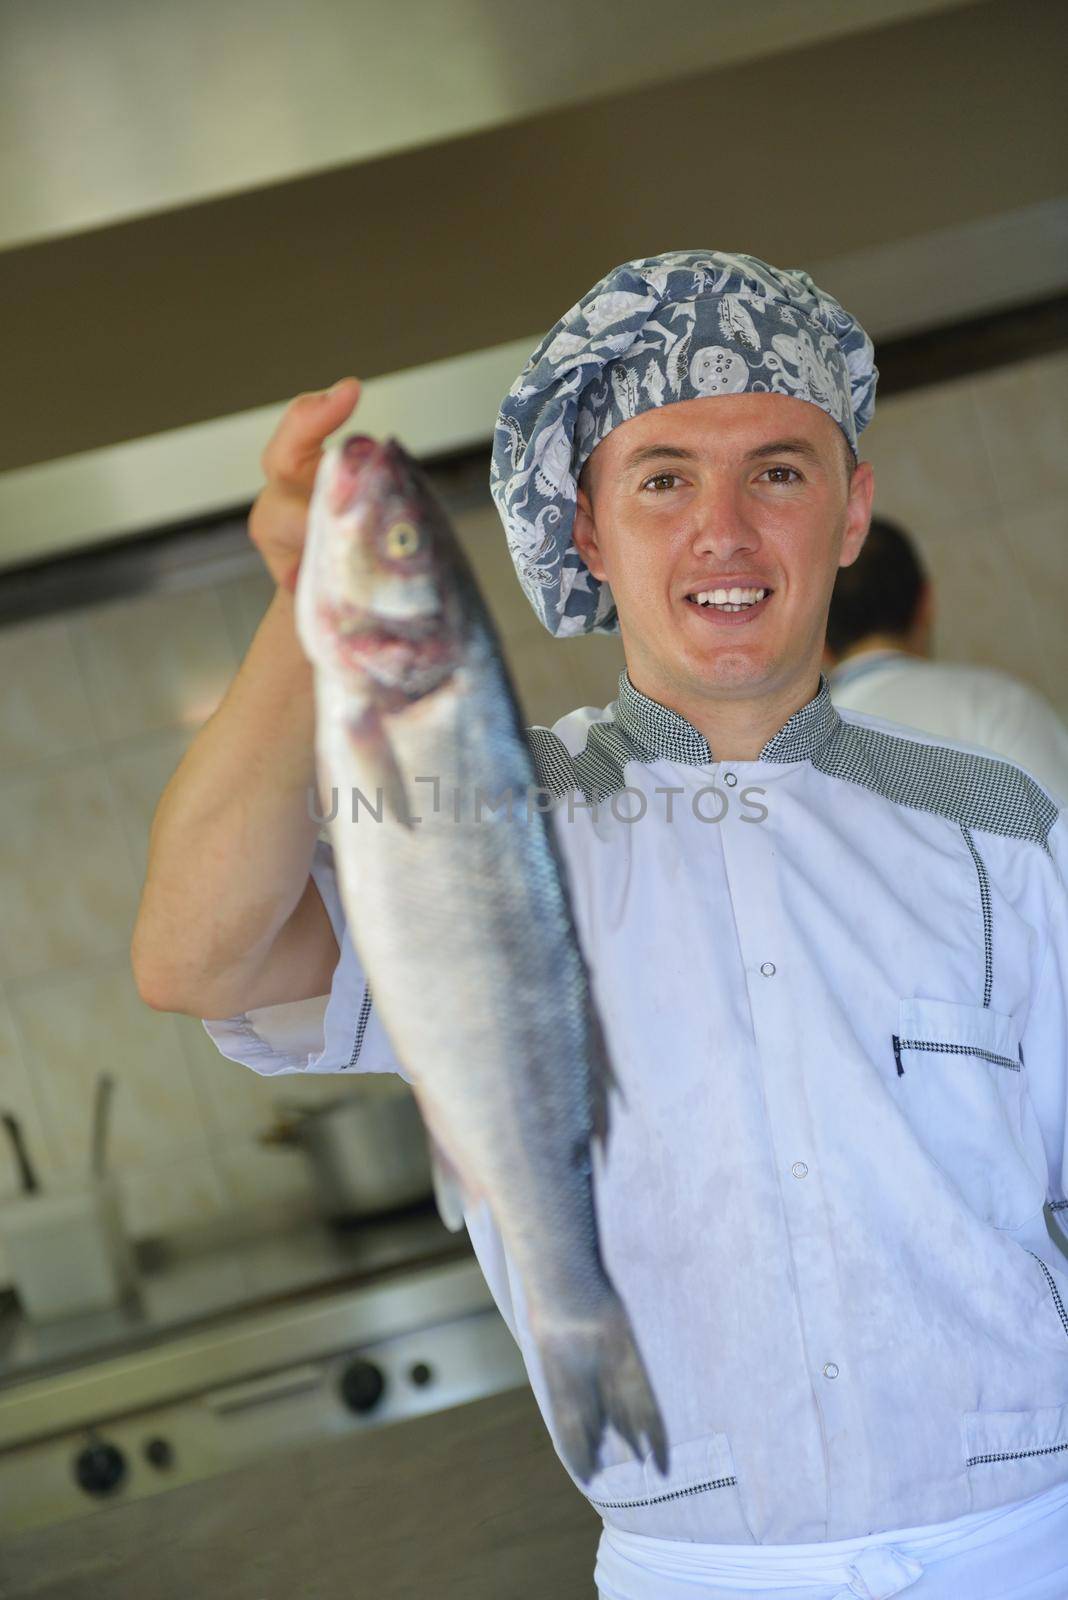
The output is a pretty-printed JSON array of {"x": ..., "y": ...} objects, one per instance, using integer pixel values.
[
  {"x": 338, "y": 1032},
  {"x": 1044, "y": 1041}
]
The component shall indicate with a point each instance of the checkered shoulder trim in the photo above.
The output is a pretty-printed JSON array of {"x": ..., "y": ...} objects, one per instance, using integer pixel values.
[
  {"x": 554, "y": 765},
  {"x": 974, "y": 791},
  {"x": 597, "y": 771}
]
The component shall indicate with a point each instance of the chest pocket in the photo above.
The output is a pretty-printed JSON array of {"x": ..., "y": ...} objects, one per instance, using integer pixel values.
[{"x": 963, "y": 1087}]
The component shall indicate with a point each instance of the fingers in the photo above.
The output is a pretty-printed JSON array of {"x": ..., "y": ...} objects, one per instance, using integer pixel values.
[
  {"x": 291, "y": 456},
  {"x": 278, "y": 520}
]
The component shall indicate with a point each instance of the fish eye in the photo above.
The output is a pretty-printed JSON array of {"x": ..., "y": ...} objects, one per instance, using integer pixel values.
[{"x": 402, "y": 539}]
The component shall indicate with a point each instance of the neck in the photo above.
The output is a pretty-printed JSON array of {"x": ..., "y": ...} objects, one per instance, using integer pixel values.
[{"x": 736, "y": 729}]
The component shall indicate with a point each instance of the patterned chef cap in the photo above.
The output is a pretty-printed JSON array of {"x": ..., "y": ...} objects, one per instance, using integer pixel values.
[{"x": 655, "y": 331}]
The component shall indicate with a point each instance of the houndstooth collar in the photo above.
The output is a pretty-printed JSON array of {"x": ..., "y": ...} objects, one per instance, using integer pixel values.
[{"x": 662, "y": 732}]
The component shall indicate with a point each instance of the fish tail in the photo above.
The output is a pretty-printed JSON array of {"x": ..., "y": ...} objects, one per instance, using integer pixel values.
[{"x": 595, "y": 1375}]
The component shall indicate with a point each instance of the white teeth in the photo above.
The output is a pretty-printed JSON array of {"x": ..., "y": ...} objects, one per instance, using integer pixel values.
[{"x": 729, "y": 599}]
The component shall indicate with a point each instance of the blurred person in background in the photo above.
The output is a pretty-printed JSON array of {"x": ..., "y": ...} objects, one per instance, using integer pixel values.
[{"x": 878, "y": 661}]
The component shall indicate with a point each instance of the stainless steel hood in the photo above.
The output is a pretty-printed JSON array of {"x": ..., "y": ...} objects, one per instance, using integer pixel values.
[{"x": 436, "y": 183}]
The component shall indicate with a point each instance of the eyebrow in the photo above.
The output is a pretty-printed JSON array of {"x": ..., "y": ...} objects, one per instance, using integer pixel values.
[{"x": 675, "y": 452}]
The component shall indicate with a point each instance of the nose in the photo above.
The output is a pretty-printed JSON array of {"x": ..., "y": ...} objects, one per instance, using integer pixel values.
[{"x": 723, "y": 526}]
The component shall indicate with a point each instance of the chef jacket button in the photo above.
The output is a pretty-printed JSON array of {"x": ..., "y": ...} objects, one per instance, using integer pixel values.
[
  {"x": 799, "y": 1169},
  {"x": 830, "y": 1370},
  {"x": 768, "y": 968},
  {"x": 731, "y": 778}
]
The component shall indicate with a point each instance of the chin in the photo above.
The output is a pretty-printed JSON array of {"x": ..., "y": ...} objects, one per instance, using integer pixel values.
[{"x": 731, "y": 669}]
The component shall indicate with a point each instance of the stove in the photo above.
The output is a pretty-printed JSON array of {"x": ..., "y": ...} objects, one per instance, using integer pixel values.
[{"x": 241, "y": 1347}]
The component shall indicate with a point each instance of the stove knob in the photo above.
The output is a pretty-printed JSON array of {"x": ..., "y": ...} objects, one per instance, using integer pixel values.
[
  {"x": 159, "y": 1453},
  {"x": 100, "y": 1468},
  {"x": 362, "y": 1385}
]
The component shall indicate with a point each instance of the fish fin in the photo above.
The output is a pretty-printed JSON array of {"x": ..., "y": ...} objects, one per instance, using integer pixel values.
[
  {"x": 448, "y": 1191},
  {"x": 595, "y": 1376},
  {"x": 603, "y": 1079},
  {"x": 367, "y": 733}
]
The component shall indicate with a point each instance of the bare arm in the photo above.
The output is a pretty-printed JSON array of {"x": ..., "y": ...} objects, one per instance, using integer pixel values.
[{"x": 229, "y": 917}]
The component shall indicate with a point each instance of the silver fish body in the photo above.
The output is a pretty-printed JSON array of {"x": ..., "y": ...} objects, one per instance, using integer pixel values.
[{"x": 458, "y": 906}]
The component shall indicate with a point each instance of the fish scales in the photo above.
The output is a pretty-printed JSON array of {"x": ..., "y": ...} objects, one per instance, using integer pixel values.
[
  {"x": 460, "y": 913},
  {"x": 485, "y": 893}
]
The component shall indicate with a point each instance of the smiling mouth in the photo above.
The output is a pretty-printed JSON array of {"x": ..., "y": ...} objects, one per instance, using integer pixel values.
[{"x": 730, "y": 601}]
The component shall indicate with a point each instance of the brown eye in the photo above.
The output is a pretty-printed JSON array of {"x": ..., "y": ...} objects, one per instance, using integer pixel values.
[{"x": 402, "y": 539}]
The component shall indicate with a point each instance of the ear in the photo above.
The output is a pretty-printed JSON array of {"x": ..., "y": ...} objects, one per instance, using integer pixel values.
[
  {"x": 858, "y": 513},
  {"x": 584, "y": 534}
]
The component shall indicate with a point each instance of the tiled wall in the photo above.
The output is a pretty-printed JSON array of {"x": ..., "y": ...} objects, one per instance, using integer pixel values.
[
  {"x": 97, "y": 707},
  {"x": 977, "y": 471}
]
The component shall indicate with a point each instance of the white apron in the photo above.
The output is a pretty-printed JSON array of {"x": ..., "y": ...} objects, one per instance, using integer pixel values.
[{"x": 1015, "y": 1552}]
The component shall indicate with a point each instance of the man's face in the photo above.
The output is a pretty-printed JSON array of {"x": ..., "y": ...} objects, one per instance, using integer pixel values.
[{"x": 738, "y": 509}]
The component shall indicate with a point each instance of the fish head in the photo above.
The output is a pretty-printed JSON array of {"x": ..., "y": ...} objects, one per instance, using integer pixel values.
[{"x": 379, "y": 599}]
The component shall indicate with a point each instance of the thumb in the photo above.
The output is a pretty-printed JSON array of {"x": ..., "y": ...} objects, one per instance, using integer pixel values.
[
  {"x": 291, "y": 457},
  {"x": 336, "y": 404},
  {"x": 340, "y": 398},
  {"x": 332, "y": 406}
]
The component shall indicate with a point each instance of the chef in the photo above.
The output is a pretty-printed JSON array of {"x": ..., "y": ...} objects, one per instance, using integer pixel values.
[{"x": 831, "y": 954}]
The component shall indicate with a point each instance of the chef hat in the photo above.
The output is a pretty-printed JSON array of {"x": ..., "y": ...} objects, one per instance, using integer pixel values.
[{"x": 655, "y": 331}]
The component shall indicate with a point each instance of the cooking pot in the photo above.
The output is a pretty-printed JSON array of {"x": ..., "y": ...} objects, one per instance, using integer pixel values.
[{"x": 367, "y": 1147}]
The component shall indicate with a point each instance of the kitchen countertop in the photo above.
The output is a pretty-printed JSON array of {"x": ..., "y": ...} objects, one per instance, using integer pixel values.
[
  {"x": 188, "y": 1282},
  {"x": 466, "y": 1504}
]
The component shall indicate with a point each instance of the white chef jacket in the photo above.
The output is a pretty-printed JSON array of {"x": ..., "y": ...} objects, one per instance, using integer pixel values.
[
  {"x": 980, "y": 705},
  {"x": 839, "y": 1014}
]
